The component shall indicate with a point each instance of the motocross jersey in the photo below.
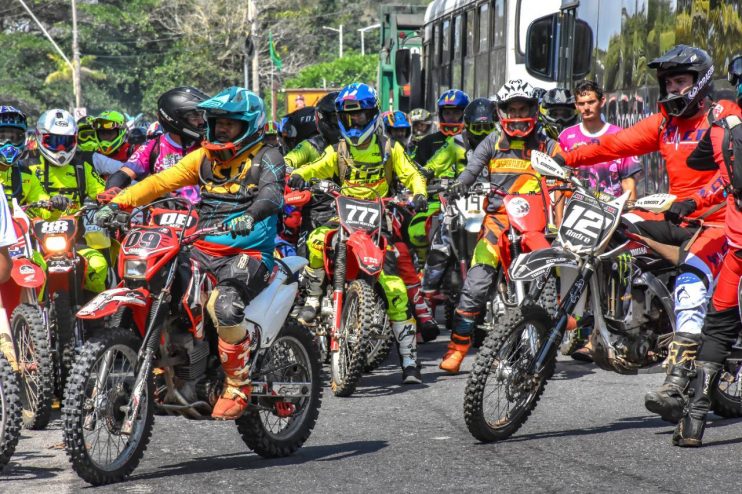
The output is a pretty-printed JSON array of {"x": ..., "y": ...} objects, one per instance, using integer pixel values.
[
  {"x": 374, "y": 167},
  {"x": 122, "y": 153},
  {"x": 428, "y": 146},
  {"x": 227, "y": 191},
  {"x": 76, "y": 180},
  {"x": 450, "y": 159},
  {"x": 22, "y": 184},
  {"x": 305, "y": 152},
  {"x": 159, "y": 154},
  {"x": 675, "y": 139},
  {"x": 508, "y": 163}
]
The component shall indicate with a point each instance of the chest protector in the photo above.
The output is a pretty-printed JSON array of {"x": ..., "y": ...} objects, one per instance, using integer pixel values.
[{"x": 352, "y": 172}]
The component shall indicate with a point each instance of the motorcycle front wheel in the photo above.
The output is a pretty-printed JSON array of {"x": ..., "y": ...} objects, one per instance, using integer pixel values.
[
  {"x": 10, "y": 411},
  {"x": 727, "y": 397},
  {"x": 500, "y": 392},
  {"x": 95, "y": 402}
]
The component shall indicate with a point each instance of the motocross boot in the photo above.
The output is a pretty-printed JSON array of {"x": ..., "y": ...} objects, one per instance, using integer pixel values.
[
  {"x": 314, "y": 278},
  {"x": 236, "y": 395},
  {"x": 459, "y": 344},
  {"x": 404, "y": 333},
  {"x": 428, "y": 327},
  {"x": 669, "y": 400},
  {"x": 689, "y": 431}
]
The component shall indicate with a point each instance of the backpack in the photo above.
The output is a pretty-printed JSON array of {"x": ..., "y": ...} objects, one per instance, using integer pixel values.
[
  {"x": 345, "y": 160},
  {"x": 731, "y": 150}
]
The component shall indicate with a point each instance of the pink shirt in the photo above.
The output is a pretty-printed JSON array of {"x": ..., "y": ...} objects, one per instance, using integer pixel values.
[
  {"x": 168, "y": 155},
  {"x": 605, "y": 176}
]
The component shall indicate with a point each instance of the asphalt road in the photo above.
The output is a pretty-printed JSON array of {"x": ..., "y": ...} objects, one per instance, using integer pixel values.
[{"x": 589, "y": 433}]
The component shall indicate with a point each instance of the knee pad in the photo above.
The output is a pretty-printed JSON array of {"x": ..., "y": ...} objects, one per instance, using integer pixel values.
[
  {"x": 691, "y": 301},
  {"x": 227, "y": 309}
]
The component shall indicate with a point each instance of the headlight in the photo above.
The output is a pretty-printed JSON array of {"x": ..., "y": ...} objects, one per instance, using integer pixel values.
[
  {"x": 135, "y": 269},
  {"x": 55, "y": 243}
]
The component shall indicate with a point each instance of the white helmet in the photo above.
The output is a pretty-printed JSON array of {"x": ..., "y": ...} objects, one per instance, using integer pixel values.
[
  {"x": 520, "y": 125},
  {"x": 57, "y": 136}
]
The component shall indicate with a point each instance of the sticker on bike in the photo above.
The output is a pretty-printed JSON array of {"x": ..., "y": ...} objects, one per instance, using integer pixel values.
[
  {"x": 587, "y": 222},
  {"x": 357, "y": 214}
]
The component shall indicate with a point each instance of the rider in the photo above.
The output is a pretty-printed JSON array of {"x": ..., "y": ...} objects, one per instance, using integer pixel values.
[
  {"x": 422, "y": 125},
  {"x": 271, "y": 134},
  {"x": 684, "y": 74},
  {"x": 397, "y": 127},
  {"x": 241, "y": 184},
  {"x": 184, "y": 126},
  {"x": 110, "y": 133},
  {"x": 363, "y": 159},
  {"x": 297, "y": 127},
  {"x": 557, "y": 111},
  {"x": 451, "y": 105},
  {"x": 507, "y": 156},
  {"x": 69, "y": 177},
  {"x": 480, "y": 120},
  {"x": 720, "y": 148}
]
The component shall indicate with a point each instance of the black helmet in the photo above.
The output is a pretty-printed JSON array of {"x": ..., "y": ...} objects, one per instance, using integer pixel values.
[
  {"x": 557, "y": 111},
  {"x": 480, "y": 119},
  {"x": 683, "y": 59},
  {"x": 298, "y": 126},
  {"x": 327, "y": 119},
  {"x": 137, "y": 136},
  {"x": 539, "y": 92},
  {"x": 734, "y": 74},
  {"x": 174, "y": 105}
]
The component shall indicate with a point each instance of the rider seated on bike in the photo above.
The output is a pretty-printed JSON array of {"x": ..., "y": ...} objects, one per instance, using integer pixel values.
[
  {"x": 241, "y": 184},
  {"x": 110, "y": 135},
  {"x": 184, "y": 127},
  {"x": 422, "y": 126},
  {"x": 685, "y": 78},
  {"x": 69, "y": 176},
  {"x": 507, "y": 156},
  {"x": 363, "y": 159}
]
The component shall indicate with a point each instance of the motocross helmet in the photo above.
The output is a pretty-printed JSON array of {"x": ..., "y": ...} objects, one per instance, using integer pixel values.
[
  {"x": 137, "y": 136},
  {"x": 422, "y": 123},
  {"x": 358, "y": 113},
  {"x": 327, "y": 118},
  {"x": 452, "y": 99},
  {"x": 397, "y": 126},
  {"x": 683, "y": 59},
  {"x": 479, "y": 120},
  {"x": 538, "y": 93},
  {"x": 734, "y": 74},
  {"x": 86, "y": 139},
  {"x": 299, "y": 125},
  {"x": 557, "y": 111},
  {"x": 13, "y": 127},
  {"x": 234, "y": 103},
  {"x": 56, "y": 133},
  {"x": 110, "y": 131},
  {"x": 154, "y": 130},
  {"x": 517, "y": 90},
  {"x": 178, "y": 112}
]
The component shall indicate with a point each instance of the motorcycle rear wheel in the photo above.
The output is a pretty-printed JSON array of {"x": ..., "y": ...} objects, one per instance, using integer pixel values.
[
  {"x": 292, "y": 357},
  {"x": 94, "y": 409},
  {"x": 36, "y": 364},
  {"x": 348, "y": 362},
  {"x": 10, "y": 411},
  {"x": 727, "y": 399},
  {"x": 502, "y": 364}
]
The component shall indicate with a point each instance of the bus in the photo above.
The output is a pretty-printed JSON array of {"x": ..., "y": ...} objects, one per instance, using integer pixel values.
[{"x": 612, "y": 42}]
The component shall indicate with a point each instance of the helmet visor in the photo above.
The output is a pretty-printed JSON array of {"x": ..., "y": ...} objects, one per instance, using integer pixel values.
[
  {"x": 12, "y": 120},
  {"x": 12, "y": 135},
  {"x": 421, "y": 128},
  {"x": 735, "y": 71},
  {"x": 481, "y": 128},
  {"x": 356, "y": 119},
  {"x": 55, "y": 142},
  {"x": 561, "y": 113}
]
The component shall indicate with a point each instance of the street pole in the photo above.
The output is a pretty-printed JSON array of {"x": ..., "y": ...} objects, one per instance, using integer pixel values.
[
  {"x": 363, "y": 32},
  {"x": 252, "y": 15},
  {"x": 340, "y": 32},
  {"x": 76, "y": 59}
]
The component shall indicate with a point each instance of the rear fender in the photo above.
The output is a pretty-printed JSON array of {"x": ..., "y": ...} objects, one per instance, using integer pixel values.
[
  {"x": 27, "y": 274},
  {"x": 368, "y": 255},
  {"x": 533, "y": 265},
  {"x": 107, "y": 303}
]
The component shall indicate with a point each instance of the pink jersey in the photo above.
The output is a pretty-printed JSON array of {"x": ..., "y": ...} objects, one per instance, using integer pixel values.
[
  {"x": 168, "y": 154},
  {"x": 605, "y": 176}
]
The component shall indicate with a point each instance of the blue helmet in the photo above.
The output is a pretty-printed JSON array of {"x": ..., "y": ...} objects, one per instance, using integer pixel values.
[
  {"x": 396, "y": 120},
  {"x": 358, "y": 113},
  {"x": 453, "y": 99},
  {"x": 12, "y": 135},
  {"x": 234, "y": 103}
]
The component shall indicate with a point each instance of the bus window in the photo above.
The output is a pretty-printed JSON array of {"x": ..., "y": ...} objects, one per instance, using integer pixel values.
[
  {"x": 437, "y": 44},
  {"x": 469, "y": 49},
  {"x": 457, "y": 48},
  {"x": 501, "y": 25},
  {"x": 484, "y": 27},
  {"x": 470, "y": 52},
  {"x": 446, "y": 42}
]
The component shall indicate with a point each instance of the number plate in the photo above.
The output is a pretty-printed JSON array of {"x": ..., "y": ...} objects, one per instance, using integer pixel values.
[
  {"x": 357, "y": 214},
  {"x": 586, "y": 223}
]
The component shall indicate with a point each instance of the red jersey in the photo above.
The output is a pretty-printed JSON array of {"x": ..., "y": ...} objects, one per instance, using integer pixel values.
[{"x": 675, "y": 139}]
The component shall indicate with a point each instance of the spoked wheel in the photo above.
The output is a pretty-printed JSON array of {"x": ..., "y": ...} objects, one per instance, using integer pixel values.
[
  {"x": 274, "y": 428},
  {"x": 348, "y": 362},
  {"x": 380, "y": 339},
  {"x": 95, "y": 402},
  {"x": 500, "y": 393},
  {"x": 35, "y": 365},
  {"x": 62, "y": 321},
  {"x": 727, "y": 398},
  {"x": 10, "y": 411}
]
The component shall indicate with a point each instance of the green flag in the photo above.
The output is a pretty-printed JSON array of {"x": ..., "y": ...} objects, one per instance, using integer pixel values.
[{"x": 275, "y": 59}]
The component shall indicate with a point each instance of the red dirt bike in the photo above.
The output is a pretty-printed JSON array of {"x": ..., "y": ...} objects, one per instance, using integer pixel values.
[
  {"x": 353, "y": 310},
  {"x": 155, "y": 320}
]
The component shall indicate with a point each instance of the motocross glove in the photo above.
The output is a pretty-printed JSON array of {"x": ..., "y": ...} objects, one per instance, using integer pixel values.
[
  {"x": 107, "y": 195},
  {"x": 458, "y": 189},
  {"x": 427, "y": 173},
  {"x": 296, "y": 182},
  {"x": 241, "y": 225},
  {"x": 119, "y": 179},
  {"x": 560, "y": 160},
  {"x": 420, "y": 203},
  {"x": 680, "y": 209},
  {"x": 105, "y": 214},
  {"x": 60, "y": 202}
]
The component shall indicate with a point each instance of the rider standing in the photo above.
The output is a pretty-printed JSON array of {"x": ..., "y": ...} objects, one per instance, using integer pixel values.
[{"x": 241, "y": 183}]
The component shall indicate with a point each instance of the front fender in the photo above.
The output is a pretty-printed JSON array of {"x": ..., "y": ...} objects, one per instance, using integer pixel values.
[
  {"x": 368, "y": 255},
  {"x": 110, "y": 301},
  {"x": 27, "y": 274},
  {"x": 533, "y": 265}
]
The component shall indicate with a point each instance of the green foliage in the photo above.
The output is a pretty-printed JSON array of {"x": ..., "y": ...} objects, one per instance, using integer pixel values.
[{"x": 337, "y": 73}]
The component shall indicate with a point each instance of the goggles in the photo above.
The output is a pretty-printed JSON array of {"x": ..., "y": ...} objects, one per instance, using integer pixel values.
[
  {"x": 561, "y": 113},
  {"x": 55, "y": 142},
  {"x": 12, "y": 135},
  {"x": 480, "y": 128},
  {"x": 105, "y": 125}
]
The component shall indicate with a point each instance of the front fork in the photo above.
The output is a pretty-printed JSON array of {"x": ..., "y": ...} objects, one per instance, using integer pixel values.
[
  {"x": 549, "y": 349},
  {"x": 338, "y": 291}
]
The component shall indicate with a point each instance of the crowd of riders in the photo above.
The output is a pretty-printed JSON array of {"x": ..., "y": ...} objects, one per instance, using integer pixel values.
[{"x": 224, "y": 154}]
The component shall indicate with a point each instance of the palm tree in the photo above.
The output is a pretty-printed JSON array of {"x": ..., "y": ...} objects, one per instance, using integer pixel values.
[{"x": 64, "y": 71}]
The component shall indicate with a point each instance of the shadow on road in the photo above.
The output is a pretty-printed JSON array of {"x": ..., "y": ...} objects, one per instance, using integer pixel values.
[
  {"x": 250, "y": 461},
  {"x": 627, "y": 423}
]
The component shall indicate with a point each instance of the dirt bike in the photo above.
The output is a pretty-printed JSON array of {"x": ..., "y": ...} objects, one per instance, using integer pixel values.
[
  {"x": 28, "y": 339},
  {"x": 10, "y": 411},
  {"x": 110, "y": 395},
  {"x": 519, "y": 356},
  {"x": 353, "y": 310}
]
